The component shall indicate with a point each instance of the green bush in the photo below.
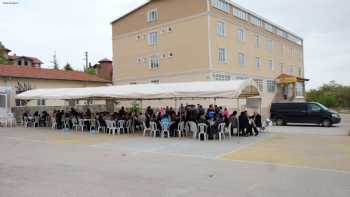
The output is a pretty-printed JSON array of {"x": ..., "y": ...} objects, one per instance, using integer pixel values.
[{"x": 332, "y": 95}]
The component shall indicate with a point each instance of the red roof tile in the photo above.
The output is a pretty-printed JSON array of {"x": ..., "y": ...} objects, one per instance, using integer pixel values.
[{"x": 50, "y": 74}]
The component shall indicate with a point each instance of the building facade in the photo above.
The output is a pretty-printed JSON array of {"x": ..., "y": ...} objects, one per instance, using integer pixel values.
[{"x": 199, "y": 40}]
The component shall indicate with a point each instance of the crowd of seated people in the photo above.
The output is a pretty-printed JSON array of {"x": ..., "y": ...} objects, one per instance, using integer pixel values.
[{"x": 164, "y": 117}]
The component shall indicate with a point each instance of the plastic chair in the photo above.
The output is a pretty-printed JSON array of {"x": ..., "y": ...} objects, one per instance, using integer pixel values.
[
  {"x": 53, "y": 123},
  {"x": 202, "y": 128},
  {"x": 145, "y": 129},
  {"x": 228, "y": 131},
  {"x": 165, "y": 131},
  {"x": 221, "y": 129},
  {"x": 154, "y": 129},
  {"x": 193, "y": 128},
  {"x": 111, "y": 127},
  {"x": 120, "y": 126},
  {"x": 81, "y": 124},
  {"x": 93, "y": 125},
  {"x": 100, "y": 127},
  {"x": 181, "y": 129}
]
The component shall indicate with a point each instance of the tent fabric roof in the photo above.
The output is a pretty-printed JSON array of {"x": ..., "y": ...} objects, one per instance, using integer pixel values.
[{"x": 214, "y": 89}]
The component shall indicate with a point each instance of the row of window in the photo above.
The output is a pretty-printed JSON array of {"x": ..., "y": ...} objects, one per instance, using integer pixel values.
[
  {"x": 154, "y": 60},
  {"x": 270, "y": 84},
  {"x": 223, "y": 59},
  {"x": 243, "y": 15},
  {"x": 153, "y": 36}
]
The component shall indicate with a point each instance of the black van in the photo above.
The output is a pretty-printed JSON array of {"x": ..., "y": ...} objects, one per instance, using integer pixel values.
[{"x": 303, "y": 112}]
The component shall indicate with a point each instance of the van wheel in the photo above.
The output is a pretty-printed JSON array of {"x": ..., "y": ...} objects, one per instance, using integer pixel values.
[
  {"x": 326, "y": 123},
  {"x": 280, "y": 122}
]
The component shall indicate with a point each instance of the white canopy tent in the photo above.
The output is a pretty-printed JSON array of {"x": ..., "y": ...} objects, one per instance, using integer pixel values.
[{"x": 235, "y": 89}]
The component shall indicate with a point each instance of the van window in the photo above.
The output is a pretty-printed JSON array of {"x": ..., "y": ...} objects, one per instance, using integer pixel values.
[{"x": 314, "y": 107}]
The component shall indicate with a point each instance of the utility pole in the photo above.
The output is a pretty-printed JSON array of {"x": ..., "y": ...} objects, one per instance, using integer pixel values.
[
  {"x": 54, "y": 61},
  {"x": 86, "y": 58}
]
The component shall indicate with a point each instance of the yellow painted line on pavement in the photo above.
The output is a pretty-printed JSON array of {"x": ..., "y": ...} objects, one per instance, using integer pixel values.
[{"x": 314, "y": 151}]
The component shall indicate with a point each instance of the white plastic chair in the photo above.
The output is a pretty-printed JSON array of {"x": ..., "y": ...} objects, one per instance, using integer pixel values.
[
  {"x": 111, "y": 127},
  {"x": 145, "y": 129},
  {"x": 53, "y": 123},
  {"x": 100, "y": 127},
  {"x": 93, "y": 125},
  {"x": 221, "y": 133},
  {"x": 154, "y": 129},
  {"x": 81, "y": 124},
  {"x": 165, "y": 131},
  {"x": 202, "y": 128},
  {"x": 228, "y": 131},
  {"x": 120, "y": 126},
  {"x": 193, "y": 128},
  {"x": 75, "y": 124},
  {"x": 181, "y": 129},
  {"x": 128, "y": 126},
  {"x": 66, "y": 123}
]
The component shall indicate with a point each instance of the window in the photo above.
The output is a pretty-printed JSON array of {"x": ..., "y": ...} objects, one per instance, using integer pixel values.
[
  {"x": 221, "y": 5},
  {"x": 154, "y": 62},
  {"x": 40, "y": 102},
  {"x": 155, "y": 81},
  {"x": 241, "y": 34},
  {"x": 271, "y": 86},
  {"x": 270, "y": 64},
  {"x": 152, "y": 15},
  {"x": 222, "y": 77},
  {"x": 222, "y": 56},
  {"x": 240, "y": 14},
  {"x": 257, "y": 41},
  {"x": 255, "y": 21},
  {"x": 260, "y": 84},
  {"x": 221, "y": 28},
  {"x": 280, "y": 32},
  {"x": 300, "y": 72},
  {"x": 2, "y": 101},
  {"x": 291, "y": 69},
  {"x": 20, "y": 103},
  {"x": 313, "y": 107},
  {"x": 258, "y": 63},
  {"x": 26, "y": 63},
  {"x": 299, "y": 89},
  {"x": 282, "y": 67},
  {"x": 19, "y": 63},
  {"x": 268, "y": 27},
  {"x": 270, "y": 44},
  {"x": 133, "y": 83},
  {"x": 153, "y": 38},
  {"x": 241, "y": 58}
]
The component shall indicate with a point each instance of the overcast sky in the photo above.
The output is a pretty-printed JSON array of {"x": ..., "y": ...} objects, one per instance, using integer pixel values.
[{"x": 70, "y": 27}]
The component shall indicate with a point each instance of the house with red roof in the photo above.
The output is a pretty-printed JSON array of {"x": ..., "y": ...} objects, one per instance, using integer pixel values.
[{"x": 22, "y": 73}]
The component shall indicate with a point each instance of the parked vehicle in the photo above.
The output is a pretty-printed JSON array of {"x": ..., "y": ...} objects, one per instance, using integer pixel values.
[{"x": 303, "y": 112}]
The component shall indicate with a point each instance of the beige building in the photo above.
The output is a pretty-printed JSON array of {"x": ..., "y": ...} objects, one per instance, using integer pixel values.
[{"x": 199, "y": 40}]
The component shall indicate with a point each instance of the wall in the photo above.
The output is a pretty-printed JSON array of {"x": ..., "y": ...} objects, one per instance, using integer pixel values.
[{"x": 187, "y": 41}]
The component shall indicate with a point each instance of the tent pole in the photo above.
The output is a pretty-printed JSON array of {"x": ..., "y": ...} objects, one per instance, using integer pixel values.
[{"x": 238, "y": 114}]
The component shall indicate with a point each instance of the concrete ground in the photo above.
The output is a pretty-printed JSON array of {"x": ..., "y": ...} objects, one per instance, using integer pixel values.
[{"x": 287, "y": 161}]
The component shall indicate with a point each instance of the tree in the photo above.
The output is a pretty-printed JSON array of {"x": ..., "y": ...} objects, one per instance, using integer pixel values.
[
  {"x": 332, "y": 95},
  {"x": 90, "y": 70},
  {"x": 68, "y": 67},
  {"x": 3, "y": 60}
]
